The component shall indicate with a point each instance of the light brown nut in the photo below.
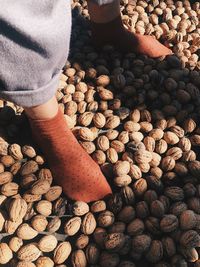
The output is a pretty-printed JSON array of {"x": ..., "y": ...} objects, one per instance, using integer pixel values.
[
  {"x": 28, "y": 151},
  {"x": 15, "y": 243},
  {"x": 88, "y": 146},
  {"x": 44, "y": 207},
  {"x": 2, "y": 168},
  {"x": 25, "y": 264},
  {"x": 82, "y": 241},
  {"x": 88, "y": 224},
  {"x": 40, "y": 187},
  {"x": 47, "y": 243},
  {"x": 105, "y": 94},
  {"x": 118, "y": 146},
  {"x": 15, "y": 151},
  {"x": 29, "y": 252},
  {"x": 10, "y": 226},
  {"x": 143, "y": 156},
  {"x": 54, "y": 225},
  {"x": 149, "y": 143},
  {"x": 98, "y": 206},
  {"x": 3, "y": 147},
  {"x": 78, "y": 258},
  {"x": 135, "y": 172},
  {"x": 5, "y": 177},
  {"x": 28, "y": 180},
  {"x": 29, "y": 198},
  {"x": 15, "y": 168},
  {"x": 171, "y": 138},
  {"x": 112, "y": 134},
  {"x": 122, "y": 180},
  {"x": 99, "y": 120},
  {"x": 144, "y": 167},
  {"x": 103, "y": 143},
  {"x": 105, "y": 218},
  {"x": 135, "y": 115},
  {"x": 53, "y": 193},
  {"x": 131, "y": 126},
  {"x": 45, "y": 174},
  {"x": 156, "y": 134},
  {"x": 156, "y": 158},
  {"x": 195, "y": 140},
  {"x": 17, "y": 209},
  {"x": 2, "y": 219},
  {"x": 72, "y": 226},
  {"x": 29, "y": 167},
  {"x": 103, "y": 80},
  {"x": 85, "y": 119},
  {"x": 44, "y": 262},
  {"x": 161, "y": 146},
  {"x": 168, "y": 163},
  {"x": 5, "y": 253},
  {"x": 78, "y": 96},
  {"x": 189, "y": 125},
  {"x": 175, "y": 152},
  {"x": 62, "y": 252},
  {"x": 39, "y": 159},
  {"x": 86, "y": 134},
  {"x": 112, "y": 122},
  {"x": 121, "y": 168},
  {"x": 10, "y": 189},
  {"x": 99, "y": 157},
  {"x": 112, "y": 155},
  {"x": 146, "y": 127},
  {"x": 7, "y": 160},
  {"x": 26, "y": 232},
  {"x": 123, "y": 137},
  {"x": 80, "y": 208},
  {"x": 136, "y": 136}
]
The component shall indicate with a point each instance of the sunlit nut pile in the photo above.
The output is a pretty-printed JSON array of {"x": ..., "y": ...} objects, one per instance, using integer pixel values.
[
  {"x": 175, "y": 23},
  {"x": 138, "y": 118}
]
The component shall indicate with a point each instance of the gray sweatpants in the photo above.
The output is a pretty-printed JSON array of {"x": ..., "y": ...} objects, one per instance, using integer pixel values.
[{"x": 34, "y": 46}]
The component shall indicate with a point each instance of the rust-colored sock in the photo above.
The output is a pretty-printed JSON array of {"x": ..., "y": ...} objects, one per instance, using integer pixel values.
[
  {"x": 114, "y": 33},
  {"x": 72, "y": 168}
]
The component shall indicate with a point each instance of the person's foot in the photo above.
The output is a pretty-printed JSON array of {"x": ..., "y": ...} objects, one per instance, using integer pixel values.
[
  {"x": 114, "y": 33},
  {"x": 72, "y": 168}
]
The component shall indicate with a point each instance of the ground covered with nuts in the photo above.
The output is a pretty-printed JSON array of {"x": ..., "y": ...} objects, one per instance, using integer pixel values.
[{"x": 139, "y": 120}]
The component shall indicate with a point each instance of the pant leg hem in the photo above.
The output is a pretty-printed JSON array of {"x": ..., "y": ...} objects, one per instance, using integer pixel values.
[{"x": 35, "y": 97}]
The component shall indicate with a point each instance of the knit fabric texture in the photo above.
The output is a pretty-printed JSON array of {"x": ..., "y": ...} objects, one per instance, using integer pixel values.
[{"x": 80, "y": 177}]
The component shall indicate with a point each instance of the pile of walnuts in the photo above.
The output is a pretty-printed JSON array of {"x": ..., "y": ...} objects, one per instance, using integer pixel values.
[{"x": 138, "y": 118}]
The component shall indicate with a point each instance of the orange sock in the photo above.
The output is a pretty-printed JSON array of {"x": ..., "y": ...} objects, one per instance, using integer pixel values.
[
  {"x": 72, "y": 168},
  {"x": 115, "y": 34}
]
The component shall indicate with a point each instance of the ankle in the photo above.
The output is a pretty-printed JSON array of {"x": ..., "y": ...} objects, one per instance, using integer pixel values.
[{"x": 104, "y": 13}]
